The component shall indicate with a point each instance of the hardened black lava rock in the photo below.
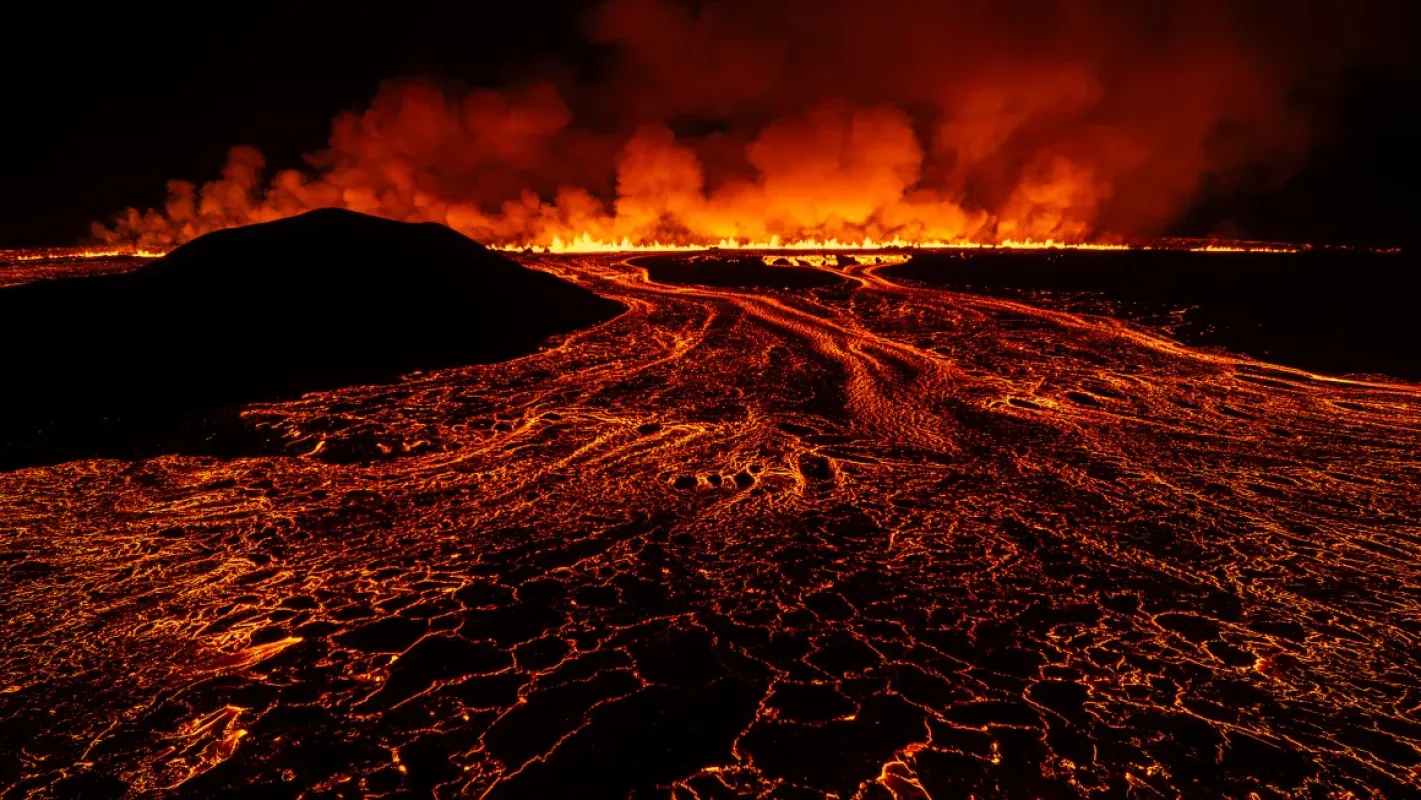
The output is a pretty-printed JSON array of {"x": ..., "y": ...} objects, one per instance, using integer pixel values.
[{"x": 326, "y": 299}]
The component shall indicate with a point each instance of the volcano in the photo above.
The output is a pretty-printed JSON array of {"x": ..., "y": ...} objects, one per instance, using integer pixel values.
[{"x": 326, "y": 299}]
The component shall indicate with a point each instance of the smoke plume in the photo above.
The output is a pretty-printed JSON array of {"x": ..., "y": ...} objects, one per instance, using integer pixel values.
[{"x": 1068, "y": 120}]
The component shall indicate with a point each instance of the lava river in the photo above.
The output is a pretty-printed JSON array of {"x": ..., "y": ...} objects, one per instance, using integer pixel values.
[{"x": 863, "y": 538}]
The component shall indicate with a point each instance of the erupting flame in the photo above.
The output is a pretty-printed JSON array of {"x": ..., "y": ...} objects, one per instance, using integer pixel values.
[
  {"x": 1221, "y": 248},
  {"x": 587, "y": 244},
  {"x": 56, "y": 254},
  {"x": 819, "y": 125}
]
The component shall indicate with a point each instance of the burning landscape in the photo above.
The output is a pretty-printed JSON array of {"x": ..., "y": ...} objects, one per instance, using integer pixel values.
[{"x": 797, "y": 408}]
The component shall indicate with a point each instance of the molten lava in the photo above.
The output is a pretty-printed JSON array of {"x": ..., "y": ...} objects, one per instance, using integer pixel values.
[
  {"x": 965, "y": 545},
  {"x": 64, "y": 253}
]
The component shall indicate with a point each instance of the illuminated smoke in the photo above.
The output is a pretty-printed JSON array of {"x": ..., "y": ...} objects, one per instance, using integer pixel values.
[{"x": 898, "y": 120}]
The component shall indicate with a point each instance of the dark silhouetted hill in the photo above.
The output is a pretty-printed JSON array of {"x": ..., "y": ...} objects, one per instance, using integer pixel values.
[{"x": 326, "y": 299}]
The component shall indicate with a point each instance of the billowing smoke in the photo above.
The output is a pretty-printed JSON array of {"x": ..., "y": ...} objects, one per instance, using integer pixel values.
[{"x": 973, "y": 120}]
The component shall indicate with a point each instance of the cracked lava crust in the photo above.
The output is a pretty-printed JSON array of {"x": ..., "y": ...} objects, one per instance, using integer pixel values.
[{"x": 860, "y": 537}]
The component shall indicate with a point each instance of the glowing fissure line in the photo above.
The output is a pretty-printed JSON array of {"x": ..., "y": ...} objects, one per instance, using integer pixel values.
[
  {"x": 67, "y": 253},
  {"x": 587, "y": 244}
]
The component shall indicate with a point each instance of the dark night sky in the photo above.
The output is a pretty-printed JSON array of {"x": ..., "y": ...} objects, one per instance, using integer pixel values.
[{"x": 103, "y": 107}]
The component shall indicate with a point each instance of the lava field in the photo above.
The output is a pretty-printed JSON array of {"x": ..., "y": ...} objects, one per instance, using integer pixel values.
[{"x": 822, "y": 530}]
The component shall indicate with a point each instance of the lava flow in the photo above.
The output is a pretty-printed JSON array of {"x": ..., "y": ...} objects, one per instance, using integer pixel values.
[{"x": 856, "y": 538}]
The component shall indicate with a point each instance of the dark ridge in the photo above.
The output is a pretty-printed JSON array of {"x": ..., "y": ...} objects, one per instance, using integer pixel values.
[
  {"x": 732, "y": 272},
  {"x": 1337, "y": 312},
  {"x": 110, "y": 365}
]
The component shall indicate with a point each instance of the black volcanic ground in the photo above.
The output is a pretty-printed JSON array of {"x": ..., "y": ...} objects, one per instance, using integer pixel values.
[
  {"x": 105, "y": 365},
  {"x": 1333, "y": 311},
  {"x": 866, "y": 536}
]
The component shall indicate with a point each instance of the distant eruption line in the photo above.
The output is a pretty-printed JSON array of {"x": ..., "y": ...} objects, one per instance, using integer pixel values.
[
  {"x": 55, "y": 254},
  {"x": 587, "y": 245},
  {"x": 827, "y": 124}
]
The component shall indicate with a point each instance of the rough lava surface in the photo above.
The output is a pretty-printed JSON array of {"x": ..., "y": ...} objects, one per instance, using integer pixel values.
[{"x": 868, "y": 538}]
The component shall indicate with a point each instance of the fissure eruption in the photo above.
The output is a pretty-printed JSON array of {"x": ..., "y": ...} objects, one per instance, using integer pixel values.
[{"x": 791, "y": 123}]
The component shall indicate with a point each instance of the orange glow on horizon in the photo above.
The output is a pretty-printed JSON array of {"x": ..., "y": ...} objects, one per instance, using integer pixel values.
[
  {"x": 587, "y": 244},
  {"x": 56, "y": 254}
]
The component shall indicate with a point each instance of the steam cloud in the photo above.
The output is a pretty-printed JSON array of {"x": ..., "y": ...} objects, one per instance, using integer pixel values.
[{"x": 749, "y": 119}]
